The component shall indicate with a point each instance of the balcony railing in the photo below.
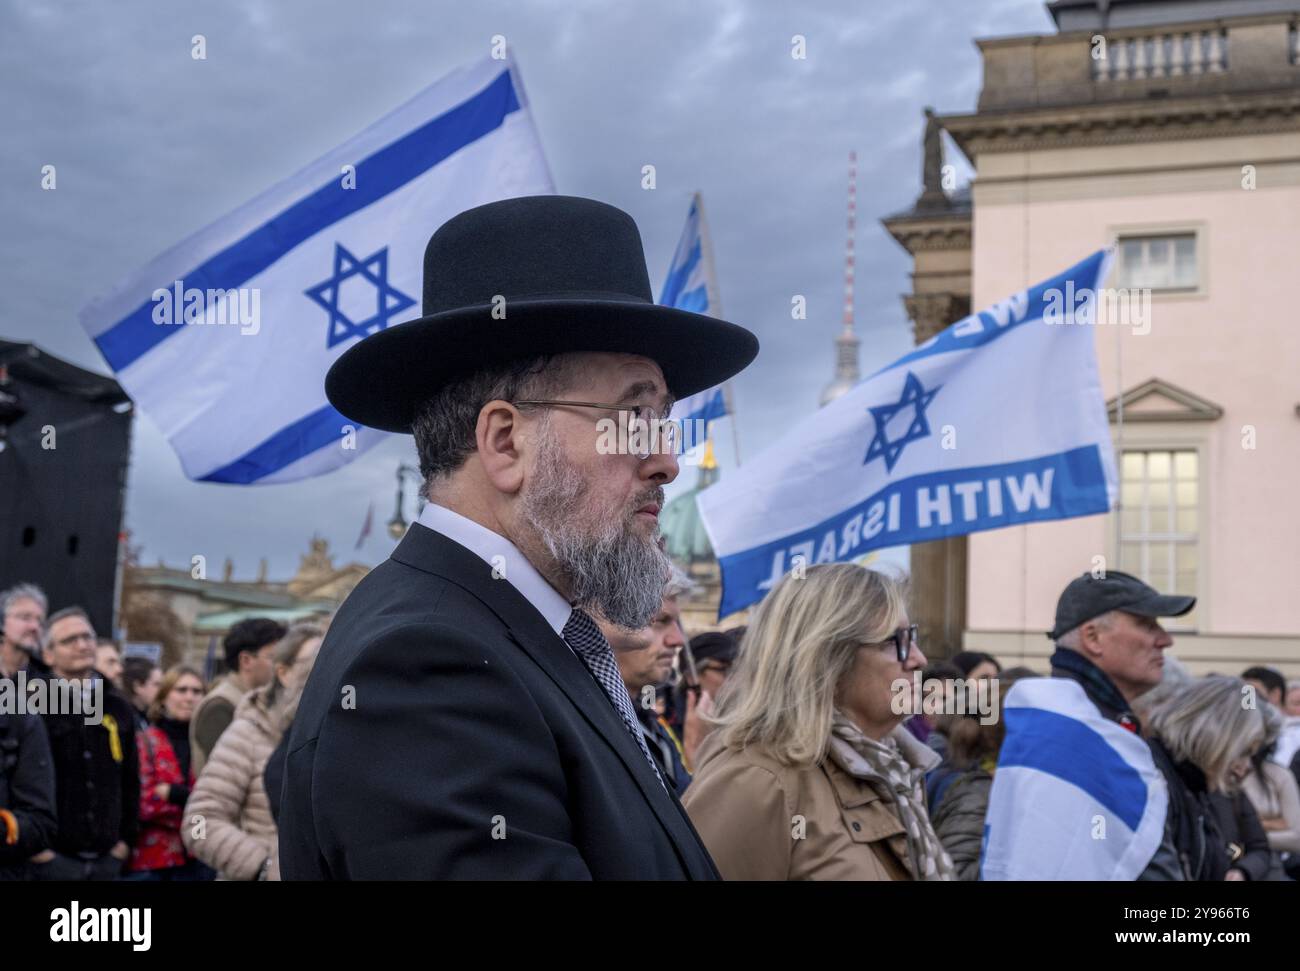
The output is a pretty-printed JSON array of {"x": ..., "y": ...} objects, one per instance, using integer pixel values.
[
  {"x": 1196, "y": 59},
  {"x": 1170, "y": 55}
]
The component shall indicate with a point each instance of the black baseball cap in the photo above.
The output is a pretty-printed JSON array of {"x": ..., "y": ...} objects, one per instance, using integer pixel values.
[{"x": 1091, "y": 596}]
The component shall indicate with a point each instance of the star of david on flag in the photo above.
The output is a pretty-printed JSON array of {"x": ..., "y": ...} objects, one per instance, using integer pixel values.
[
  {"x": 1017, "y": 380},
  {"x": 323, "y": 259},
  {"x": 915, "y": 397},
  {"x": 374, "y": 269}
]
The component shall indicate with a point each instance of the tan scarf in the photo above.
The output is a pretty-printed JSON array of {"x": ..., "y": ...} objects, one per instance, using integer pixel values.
[{"x": 899, "y": 775}]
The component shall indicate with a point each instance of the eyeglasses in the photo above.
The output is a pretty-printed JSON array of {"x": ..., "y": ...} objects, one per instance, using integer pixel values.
[
  {"x": 660, "y": 436},
  {"x": 187, "y": 691},
  {"x": 714, "y": 666},
  {"x": 903, "y": 639}
]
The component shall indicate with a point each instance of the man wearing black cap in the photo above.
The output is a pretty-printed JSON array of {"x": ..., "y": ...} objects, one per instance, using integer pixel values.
[
  {"x": 1109, "y": 639},
  {"x": 465, "y": 716}
]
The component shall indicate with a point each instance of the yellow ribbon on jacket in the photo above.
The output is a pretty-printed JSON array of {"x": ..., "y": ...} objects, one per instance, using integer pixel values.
[{"x": 114, "y": 739}]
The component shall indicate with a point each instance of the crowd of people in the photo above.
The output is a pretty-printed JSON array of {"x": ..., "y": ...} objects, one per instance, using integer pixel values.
[
  {"x": 784, "y": 740},
  {"x": 162, "y": 777},
  {"x": 512, "y": 695}
]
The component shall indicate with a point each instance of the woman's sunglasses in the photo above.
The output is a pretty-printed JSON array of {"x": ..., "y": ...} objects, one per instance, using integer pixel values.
[{"x": 903, "y": 639}]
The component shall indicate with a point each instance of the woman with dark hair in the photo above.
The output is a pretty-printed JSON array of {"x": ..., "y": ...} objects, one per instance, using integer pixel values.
[
  {"x": 976, "y": 665},
  {"x": 141, "y": 679},
  {"x": 957, "y": 813}
]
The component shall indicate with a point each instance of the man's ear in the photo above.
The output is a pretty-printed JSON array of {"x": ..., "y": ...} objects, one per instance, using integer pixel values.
[
  {"x": 499, "y": 446},
  {"x": 1090, "y": 639}
]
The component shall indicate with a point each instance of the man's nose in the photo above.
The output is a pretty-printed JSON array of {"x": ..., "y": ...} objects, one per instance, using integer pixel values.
[
  {"x": 1163, "y": 638},
  {"x": 659, "y": 467}
]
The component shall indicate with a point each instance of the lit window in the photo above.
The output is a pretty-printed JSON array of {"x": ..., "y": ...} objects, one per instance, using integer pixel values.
[
  {"x": 1158, "y": 262},
  {"x": 1159, "y": 507}
]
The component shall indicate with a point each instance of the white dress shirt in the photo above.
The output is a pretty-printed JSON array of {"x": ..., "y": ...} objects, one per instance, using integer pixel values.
[{"x": 514, "y": 566}]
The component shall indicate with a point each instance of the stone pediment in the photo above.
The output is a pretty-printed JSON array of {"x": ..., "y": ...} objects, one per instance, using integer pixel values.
[{"x": 1157, "y": 400}]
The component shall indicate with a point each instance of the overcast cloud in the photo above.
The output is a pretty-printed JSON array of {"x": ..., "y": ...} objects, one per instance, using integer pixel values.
[{"x": 151, "y": 145}]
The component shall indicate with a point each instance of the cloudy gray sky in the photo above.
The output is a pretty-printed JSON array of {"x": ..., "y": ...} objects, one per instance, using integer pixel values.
[{"x": 151, "y": 145}]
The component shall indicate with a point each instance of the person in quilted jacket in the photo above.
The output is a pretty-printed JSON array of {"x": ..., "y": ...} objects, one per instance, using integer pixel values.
[{"x": 233, "y": 830}]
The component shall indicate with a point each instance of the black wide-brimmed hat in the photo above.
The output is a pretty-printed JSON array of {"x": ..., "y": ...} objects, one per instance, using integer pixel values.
[{"x": 569, "y": 275}]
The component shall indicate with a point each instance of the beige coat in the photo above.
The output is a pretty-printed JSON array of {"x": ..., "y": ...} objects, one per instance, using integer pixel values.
[
  {"x": 238, "y": 833},
  {"x": 762, "y": 820}
]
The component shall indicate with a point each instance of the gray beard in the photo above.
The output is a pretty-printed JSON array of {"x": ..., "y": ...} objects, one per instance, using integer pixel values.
[{"x": 608, "y": 568}]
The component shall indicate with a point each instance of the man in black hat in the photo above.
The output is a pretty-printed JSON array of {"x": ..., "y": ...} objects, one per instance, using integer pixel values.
[
  {"x": 465, "y": 717},
  {"x": 1109, "y": 639}
]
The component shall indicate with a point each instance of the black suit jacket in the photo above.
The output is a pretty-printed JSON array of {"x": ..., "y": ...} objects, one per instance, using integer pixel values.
[{"x": 447, "y": 732}]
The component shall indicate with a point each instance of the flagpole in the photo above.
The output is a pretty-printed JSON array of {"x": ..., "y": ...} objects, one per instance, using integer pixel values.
[
  {"x": 715, "y": 306},
  {"x": 1119, "y": 439}
]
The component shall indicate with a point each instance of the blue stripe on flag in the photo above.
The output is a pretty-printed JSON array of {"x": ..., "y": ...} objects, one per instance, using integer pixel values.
[
  {"x": 1069, "y": 750},
  {"x": 708, "y": 410},
  {"x": 1078, "y": 489},
  {"x": 381, "y": 173},
  {"x": 678, "y": 276},
  {"x": 306, "y": 435},
  {"x": 696, "y": 301},
  {"x": 1046, "y": 301}
]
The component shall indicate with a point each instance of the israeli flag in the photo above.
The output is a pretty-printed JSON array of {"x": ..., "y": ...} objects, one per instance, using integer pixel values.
[
  {"x": 997, "y": 420},
  {"x": 225, "y": 339},
  {"x": 690, "y": 287},
  {"x": 1075, "y": 796}
]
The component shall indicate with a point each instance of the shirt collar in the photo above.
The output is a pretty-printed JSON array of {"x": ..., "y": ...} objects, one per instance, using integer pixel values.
[{"x": 514, "y": 566}]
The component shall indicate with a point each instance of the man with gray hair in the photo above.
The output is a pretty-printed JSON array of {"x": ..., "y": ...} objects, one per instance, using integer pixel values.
[
  {"x": 465, "y": 718},
  {"x": 96, "y": 765},
  {"x": 1109, "y": 640},
  {"x": 23, "y": 608},
  {"x": 1064, "y": 765},
  {"x": 645, "y": 662}
]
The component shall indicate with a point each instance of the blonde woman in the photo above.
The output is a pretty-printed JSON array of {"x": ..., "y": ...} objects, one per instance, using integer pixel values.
[
  {"x": 808, "y": 773},
  {"x": 238, "y": 836},
  {"x": 1201, "y": 738}
]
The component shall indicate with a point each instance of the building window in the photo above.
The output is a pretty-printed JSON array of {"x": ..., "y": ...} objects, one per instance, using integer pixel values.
[
  {"x": 1158, "y": 262},
  {"x": 1159, "y": 512}
]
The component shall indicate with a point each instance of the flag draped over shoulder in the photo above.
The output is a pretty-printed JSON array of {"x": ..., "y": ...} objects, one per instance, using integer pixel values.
[
  {"x": 997, "y": 420},
  {"x": 1075, "y": 796},
  {"x": 225, "y": 339},
  {"x": 690, "y": 287}
]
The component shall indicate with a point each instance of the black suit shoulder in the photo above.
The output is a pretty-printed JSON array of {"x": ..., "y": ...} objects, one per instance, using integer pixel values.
[
  {"x": 448, "y": 732},
  {"x": 422, "y": 729}
]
